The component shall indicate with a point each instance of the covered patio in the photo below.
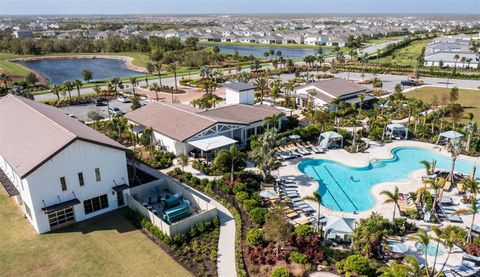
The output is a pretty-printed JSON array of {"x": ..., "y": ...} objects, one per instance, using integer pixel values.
[
  {"x": 211, "y": 145},
  {"x": 330, "y": 139},
  {"x": 338, "y": 228},
  {"x": 396, "y": 131},
  {"x": 445, "y": 137}
]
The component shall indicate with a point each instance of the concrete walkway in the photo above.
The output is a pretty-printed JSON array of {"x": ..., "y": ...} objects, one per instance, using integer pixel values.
[{"x": 226, "y": 244}]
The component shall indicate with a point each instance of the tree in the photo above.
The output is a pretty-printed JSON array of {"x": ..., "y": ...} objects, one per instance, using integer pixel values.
[
  {"x": 133, "y": 82},
  {"x": 470, "y": 129},
  {"x": 150, "y": 69},
  {"x": 78, "y": 85},
  {"x": 31, "y": 79},
  {"x": 5, "y": 79},
  {"x": 423, "y": 238},
  {"x": 264, "y": 154},
  {"x": 158, "y": 69},
  {"x": 56, "y": 89},
  {"x": 182, "y": 161},
  {"x": 273, "y": 120},
  {"x": 115, "y": 82},
  {"x": 453, "y": 95},
  {"x": 276, "y": 228},
  {"x": 456, "y": 111},
  {"x": 135, "y": 103},
  {"x": 261, "y": 84},
  {"x": 454, "y": 147},
  {"x": 68, "y": 87},
  {"x": 473, "y": 209},
  {"x": 392, "y": 197},
  {"x": 173, "y": 68},
  {"x": 316, "y": 197},
  {"x": 87, "y": 75},
  {"x": 369, "y": 233},
  {"x": 19, "y": 91},
  {"x": 233, "y": 155}
]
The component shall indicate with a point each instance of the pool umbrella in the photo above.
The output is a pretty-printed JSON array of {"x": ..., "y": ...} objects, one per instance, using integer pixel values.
[{"x": 294, "y": 136}]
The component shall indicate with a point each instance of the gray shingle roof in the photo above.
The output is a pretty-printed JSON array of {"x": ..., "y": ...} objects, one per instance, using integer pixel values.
[
  {"x": 33, "y": 132},
  {"x": 239, "y": 86},
  {"x": 336, "y": 87}
]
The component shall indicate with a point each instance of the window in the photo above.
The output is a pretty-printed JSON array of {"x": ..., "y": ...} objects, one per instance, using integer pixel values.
[
  {"x": 63, "y": 182},
  {"x": 95, "y": 204},
  {"x": 80, "y": 179},
  {"x": 97, "y": 175},
  {"x": 27, "y": 210},
  {"x": 61, "y": 217}
]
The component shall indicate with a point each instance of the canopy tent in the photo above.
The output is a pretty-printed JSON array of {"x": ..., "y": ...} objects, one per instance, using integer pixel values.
[
  {"x": 449, "y": 135},
  {"x": 396, "y": 131},
  {"x": 336, "y": 226},
  {"x": 212, "y": 143},
  {"x": 330, "y": 139}
]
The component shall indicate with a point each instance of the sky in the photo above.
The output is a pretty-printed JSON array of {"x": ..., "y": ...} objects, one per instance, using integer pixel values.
[{"x": 44, "y": 7}]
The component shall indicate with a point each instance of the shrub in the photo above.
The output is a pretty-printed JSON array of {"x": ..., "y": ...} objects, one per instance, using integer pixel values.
[
  {"x": 239, "y": 187},
  {"x": 280, "y": 272},
  {"x": 257, "y": 215},
  {"x": 249, "y": 204},
  {"x": 254, "y": 237},
  {"x": 299, "y": 258},
  {"x": 241, "y": 196},
  {"x": 473, "y": 249},
  {"x": 357, "y": 264},
  {"x": 412, "y": 213},
  {"x": 303, "y": 230}
]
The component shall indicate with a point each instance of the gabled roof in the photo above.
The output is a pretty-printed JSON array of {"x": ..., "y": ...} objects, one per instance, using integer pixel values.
[
  {"x": 240, "y": 113},
  {"x": 336, "y": 87},
  {"x": 32, "y": 133}
]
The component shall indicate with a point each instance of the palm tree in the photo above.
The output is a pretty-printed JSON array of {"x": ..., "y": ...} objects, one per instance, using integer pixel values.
[
  {"x": 437, "y": 185},
  {"x": 173, "y": 68},
  {"x": 234, "y": 155},
  {"x": 427, "y": 165},
  {"x": 261, "y": 83},
  {"x": 150, "y": 68},
  {"x": 456, "y": 57},
  {"x": 472, "y": 186},
  {"x": 392, "y": 197},
  {"x": 470, "y": 128},
  {"x": 5, "y": 80},
  {"x": 56, "y": 90},
  {"x": 78, "y": 84},
  {"x": 182, "y": 161},
  {"x": 316, "y": 197},
  {"x": 115, "y": 83},
  {"x": 133, "y": 82},
  {"x": 87, "y": 75},
  {"x": 455, "y": 147},
  {"x": 470, "y": 210},
  {"x": 272, "y": 120},
  {"x": 422, "y": 237},
  {"x": 68, "y": 86},
  {"x": 158, "y": 69}
]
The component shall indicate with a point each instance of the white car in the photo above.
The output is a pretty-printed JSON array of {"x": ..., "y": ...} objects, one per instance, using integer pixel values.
[
  {"x": 115, "y": 111},
  {"x": 123, "y": 99}
]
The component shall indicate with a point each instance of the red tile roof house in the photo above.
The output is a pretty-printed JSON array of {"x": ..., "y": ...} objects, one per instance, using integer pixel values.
[
  {"x": 59, "y": 170},
  {"x": 181, "y": 129},
  {"x": 324, "y": 93}
]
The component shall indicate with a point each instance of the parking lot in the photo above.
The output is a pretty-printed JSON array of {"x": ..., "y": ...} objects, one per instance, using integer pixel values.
[{"x": 81, "y": 111}]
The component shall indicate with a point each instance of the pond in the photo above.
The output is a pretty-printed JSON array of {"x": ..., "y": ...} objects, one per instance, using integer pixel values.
[
  {"x": 258, "y": 51},
  {"x": 59, "y": 70}
]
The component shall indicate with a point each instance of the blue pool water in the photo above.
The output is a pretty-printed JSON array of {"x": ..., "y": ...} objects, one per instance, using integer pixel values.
[
  {"x": 345, "y": 188},
  {"x": 431, "y": 249}
]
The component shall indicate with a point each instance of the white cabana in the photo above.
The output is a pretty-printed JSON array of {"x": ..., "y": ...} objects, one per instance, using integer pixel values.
[
  {"x": 396, "y": 131},
  {"x": 330, "y": 139},
  {"x": 212, "y": 143},
  {"x": 445, "y": 137},
  {"x": 336, "y": 227}
]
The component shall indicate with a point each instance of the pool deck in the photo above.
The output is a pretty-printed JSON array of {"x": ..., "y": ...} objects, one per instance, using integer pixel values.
[{"x": 309, "y": 185}]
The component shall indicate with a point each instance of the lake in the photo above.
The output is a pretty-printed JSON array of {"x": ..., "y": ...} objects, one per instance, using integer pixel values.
[
  {"x": 59, "y": 70},
  {"x": 257, "y": 51}
]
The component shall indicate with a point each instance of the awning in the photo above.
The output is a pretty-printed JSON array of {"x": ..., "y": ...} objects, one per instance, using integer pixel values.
[
  {"x": 451, "y": 135},
  {"x": 8, "y": 185},
  {"x": 396, "y": 126},
  {"x": 331, "y": 135},
  {"x": 61, "y": 206},
  {"x": 355, "y": 99},
  {"x": 120, "y": 188},
  {"x": 208, "y": 144}
]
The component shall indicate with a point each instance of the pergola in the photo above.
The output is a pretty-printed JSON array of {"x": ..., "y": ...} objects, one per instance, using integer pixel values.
[
  {"x": 330, "y": 139},
  {"x": 445, "y": 137},
  {"x": 396, "y": 131}
]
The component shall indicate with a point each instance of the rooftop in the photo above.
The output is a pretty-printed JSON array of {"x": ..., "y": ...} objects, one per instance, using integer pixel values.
[
  {"x": 33, "y": 132},
  {"x": 239, "y": 86},
  {"x": 336, "y": 87}
]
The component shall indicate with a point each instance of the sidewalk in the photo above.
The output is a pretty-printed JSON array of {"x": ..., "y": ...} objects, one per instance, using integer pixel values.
[{"x": 226, "y": 243}]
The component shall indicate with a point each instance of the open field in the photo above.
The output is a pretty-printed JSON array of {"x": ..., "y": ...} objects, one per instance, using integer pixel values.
[
  {"x": 406, "y": 55},
  {"x": 382, "y": 40},
  {"x": 107, "y": 245},
  {"x": 468, "y": 98}
]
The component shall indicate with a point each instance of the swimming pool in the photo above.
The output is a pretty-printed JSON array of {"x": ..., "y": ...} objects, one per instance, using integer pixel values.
[
  {"x": 431, "y": 249},
  {"x": 345, "y": 188}
]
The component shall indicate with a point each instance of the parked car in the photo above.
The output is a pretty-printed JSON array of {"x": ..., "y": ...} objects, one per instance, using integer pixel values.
[
  {"x": 123, "y": 99},
  {"x": 98, "y": 102},
  {"x": 411, "y": 83},
  {"x": 115, "y": 111}
]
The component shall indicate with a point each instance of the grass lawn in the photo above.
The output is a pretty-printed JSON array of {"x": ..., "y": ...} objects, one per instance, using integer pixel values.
[
  {"x": 406, "y": 55},
  {"x": 383, "y": 39},
  {"x": 107, "y": 245},
  {"x": 11, "y": 68},
  {"x": 468, "y": 98}
]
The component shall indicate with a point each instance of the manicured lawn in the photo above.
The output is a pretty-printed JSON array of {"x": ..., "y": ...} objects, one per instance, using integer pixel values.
[
  {"x": 468, "y": 98},
  {"x": 9, "y": 67},
  {"x": 406, "y": 55},
  {"x": 107, "y": 245},
  {"x": 383, "y": 39}
]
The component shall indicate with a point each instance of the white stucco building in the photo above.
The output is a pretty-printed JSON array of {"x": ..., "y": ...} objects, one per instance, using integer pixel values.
[
  {"x": 239, "y": 93},
  {"x": 59, "y": 170}
]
